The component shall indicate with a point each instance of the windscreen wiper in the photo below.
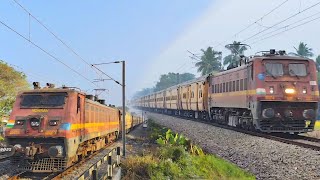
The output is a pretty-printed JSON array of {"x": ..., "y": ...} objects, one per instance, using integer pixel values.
[
  {"x": 274, "y": 77},
  {"x": 292, "y": 71}
]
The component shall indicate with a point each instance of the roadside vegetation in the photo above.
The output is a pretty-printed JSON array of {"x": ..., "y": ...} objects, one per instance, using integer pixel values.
[{"x": 175, "y": 157}]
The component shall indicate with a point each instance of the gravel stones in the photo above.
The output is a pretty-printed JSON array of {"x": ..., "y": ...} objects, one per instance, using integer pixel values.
[{"x": 266, "y": 159}]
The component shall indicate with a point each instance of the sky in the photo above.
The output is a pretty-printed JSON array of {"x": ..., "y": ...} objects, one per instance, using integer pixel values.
[{"x": 151, "y": 36}]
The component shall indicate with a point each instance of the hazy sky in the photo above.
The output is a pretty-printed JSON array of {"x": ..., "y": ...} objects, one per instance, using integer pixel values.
[{"x": 152, "y": 36}]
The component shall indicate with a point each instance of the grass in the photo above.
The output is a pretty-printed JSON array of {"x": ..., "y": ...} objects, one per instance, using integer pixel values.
[{"x": 175, "y": 161}]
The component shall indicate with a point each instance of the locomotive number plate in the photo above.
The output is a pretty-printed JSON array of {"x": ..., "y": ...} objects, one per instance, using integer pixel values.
[
  {"x": 40, "y": 110},
  {"x": 14, "y": 131}
]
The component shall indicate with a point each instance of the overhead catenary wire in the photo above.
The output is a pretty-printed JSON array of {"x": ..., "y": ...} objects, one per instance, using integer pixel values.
[
  {"x": 280, "y": 22},
  {"x": 250, "y": 25},
  {"x": 285, "y": 27},
  {"x": 262, "y": 17},
  {"x": 45, "y": 51},
  {"x": 52, "y": 33},
  {"x": 287, "y": 30}
]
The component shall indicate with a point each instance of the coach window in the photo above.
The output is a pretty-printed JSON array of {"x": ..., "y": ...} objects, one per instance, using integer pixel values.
[
  {"x": 230, "y": 86},
  {"x": 224, "y": 87},
  {"x": 241, "y": 84},
  {"x": 227, "y": 86},
  {"x": 233, "y": 85},
  {"x": 237, "y": 86},
  {"x": 245, "y": 84},
  {"x": 220, "y": 87}
]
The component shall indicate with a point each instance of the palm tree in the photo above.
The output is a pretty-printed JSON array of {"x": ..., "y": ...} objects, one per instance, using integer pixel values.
[
  {"x": 303, "y": 51},
  {"x": 210, "y": 61},
  {"x": 236, "y": 50}
]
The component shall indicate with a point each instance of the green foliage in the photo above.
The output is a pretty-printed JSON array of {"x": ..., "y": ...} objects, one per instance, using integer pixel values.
[
  {"x": 176, "y": 163},
  {"x": 143, "y": 92},
  {"x": 172, "y": 139},
  {"x": 177, "y": 158},
  {"x": 303, "y": 50},
  {"x": 1, "y": 138},
  {"x": 11, "y": 82},
  {"x": 165, "y": 81},
  {"x": 171, "y": 79},
  {"x": 210, "y": 61},
  {"x": 236, "y": 50},
  {"x": 318, "y": 64}
]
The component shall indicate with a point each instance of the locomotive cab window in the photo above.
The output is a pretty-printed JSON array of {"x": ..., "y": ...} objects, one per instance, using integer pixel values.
[
  {"x": 43, "y": 100},
  {"x": 297, "y": 69},
  {"x": 274, "y": 69}
]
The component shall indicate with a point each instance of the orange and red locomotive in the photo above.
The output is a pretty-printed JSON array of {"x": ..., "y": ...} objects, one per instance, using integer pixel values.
[{"x": 51, "y": 128}]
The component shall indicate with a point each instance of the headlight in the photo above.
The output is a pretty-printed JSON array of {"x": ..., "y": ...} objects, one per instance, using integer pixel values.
[
  {"x": 268, "y": 113},
  {"x": 53, "y": 122},
  {"x": 308, "y": 113},
  {"x": 55, "y": 151},
  {"x": 271, "y": 90},
  {"x": 34, "y": 122},
  {"x": 304, "y": 91},
  {"x": 19, "y": 122},
  {"x": 289, "y": 91}
]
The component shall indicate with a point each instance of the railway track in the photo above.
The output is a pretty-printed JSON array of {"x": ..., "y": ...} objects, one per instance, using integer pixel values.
[
  {"x": 56, "y": 175},
  {"x": 298, "y": 140},
  {"x": 4, "y": 158}
]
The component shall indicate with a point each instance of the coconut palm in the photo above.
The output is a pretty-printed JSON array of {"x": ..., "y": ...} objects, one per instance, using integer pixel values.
[
  {"x": 236, "y": 50},
  {"x": 303, "y": 50},
  {"x": 210, "y": 61}
]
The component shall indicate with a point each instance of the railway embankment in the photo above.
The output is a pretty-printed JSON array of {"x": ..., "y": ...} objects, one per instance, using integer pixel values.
[
  {"x": 157, "y": 152},
  {"x": 265, "y": 158}
]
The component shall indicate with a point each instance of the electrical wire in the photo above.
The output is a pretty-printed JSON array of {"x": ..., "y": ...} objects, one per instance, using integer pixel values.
[
  {"x": 53, "y": 34},
  {"x": 46, "y": 52},
  {"x": 287, "y": 30},
  {"x": 286, "y": 26},
  {"x": 290, "y": 17}
]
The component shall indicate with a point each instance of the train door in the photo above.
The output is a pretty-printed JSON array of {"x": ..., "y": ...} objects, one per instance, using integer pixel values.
[
  {"x": 248, "y": 85},
  {"x": 81, "y": 116}
]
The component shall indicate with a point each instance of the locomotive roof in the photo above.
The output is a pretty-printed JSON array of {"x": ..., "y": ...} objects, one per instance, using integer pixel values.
[
  {"x": 277, "y": 57},
  {"x": 52, "y": 90}
]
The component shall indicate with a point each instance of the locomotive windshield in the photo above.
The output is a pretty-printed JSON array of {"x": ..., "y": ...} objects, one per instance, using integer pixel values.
[
  {"x": 43, "y": 100},
  {"x": 274, "y": 69},
  {"x": 297, "y": 69}
]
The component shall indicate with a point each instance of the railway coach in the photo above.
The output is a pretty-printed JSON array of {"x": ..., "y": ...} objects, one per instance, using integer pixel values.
[{"x": 52, "y": 128}]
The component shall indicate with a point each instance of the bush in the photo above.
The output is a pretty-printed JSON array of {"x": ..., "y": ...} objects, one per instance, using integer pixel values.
[{"x": 177, "y": 158}]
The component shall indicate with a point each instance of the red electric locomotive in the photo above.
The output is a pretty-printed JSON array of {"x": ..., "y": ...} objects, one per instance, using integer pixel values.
[
  {"x": 51, "y": 128},
  {"x": 271, "y": 93}
]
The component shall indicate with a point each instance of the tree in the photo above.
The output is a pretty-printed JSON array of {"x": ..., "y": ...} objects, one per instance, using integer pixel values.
[
  {"x": 236, "y": 50},
  {"x": 303, "y": 50},
  {"x": 171, "y": 79},
  {"x": 210, "y": 61},
  {"x": 11, "y": 82},
  {"x": 143, "y": 92},
  {"x": 318, "y": 63}
]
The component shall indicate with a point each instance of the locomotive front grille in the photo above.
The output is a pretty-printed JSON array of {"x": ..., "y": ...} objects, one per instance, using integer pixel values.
[
  {"x": 288, "y": 125},
  {"x": 41, "y": 165}
]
